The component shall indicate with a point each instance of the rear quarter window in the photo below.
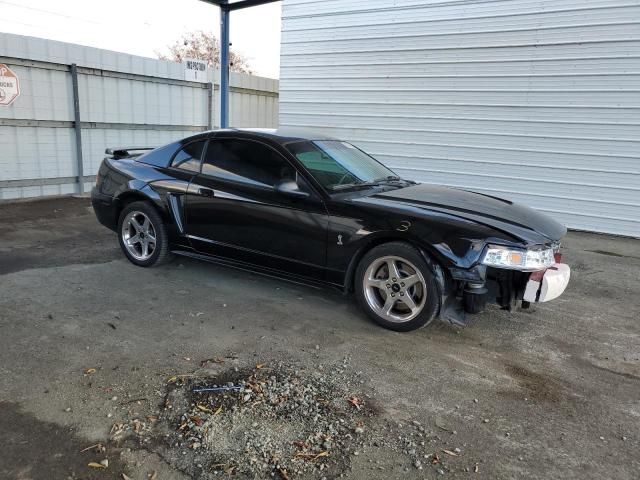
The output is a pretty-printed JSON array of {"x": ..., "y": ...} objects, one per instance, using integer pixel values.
[
  {"x": 189, "y": 156},
  {"x": 160, "y": 156}
]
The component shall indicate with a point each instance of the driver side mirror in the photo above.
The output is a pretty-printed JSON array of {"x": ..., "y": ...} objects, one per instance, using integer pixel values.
[{"x": 291, "y": 189}]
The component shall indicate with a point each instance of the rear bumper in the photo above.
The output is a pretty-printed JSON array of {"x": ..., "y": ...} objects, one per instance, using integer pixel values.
[
  {"x": 553, "y": 283},
  {"x": 105, "y": 209}
]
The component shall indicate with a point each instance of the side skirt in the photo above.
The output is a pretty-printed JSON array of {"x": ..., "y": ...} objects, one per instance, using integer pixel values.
[{"x": 267, "y": 272}]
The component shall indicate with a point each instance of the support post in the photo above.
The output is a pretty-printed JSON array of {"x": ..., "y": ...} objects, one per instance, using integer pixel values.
[
  {"x": 225, "y": 9},
  {"x": 210, "y": 106},
  {"x": 224, "y": 66},
  {"x": 77, "y": 126}
]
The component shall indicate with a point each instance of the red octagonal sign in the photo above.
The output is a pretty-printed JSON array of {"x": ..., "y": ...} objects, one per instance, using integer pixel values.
[{"x": 9, "y": 86}]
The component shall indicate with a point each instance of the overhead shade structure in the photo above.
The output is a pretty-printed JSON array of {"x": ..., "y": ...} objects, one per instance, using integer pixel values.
[{"x": 226, "y": 8}]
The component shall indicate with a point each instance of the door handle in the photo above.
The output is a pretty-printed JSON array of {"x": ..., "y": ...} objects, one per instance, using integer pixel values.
[{"x": 205, "y": 192}]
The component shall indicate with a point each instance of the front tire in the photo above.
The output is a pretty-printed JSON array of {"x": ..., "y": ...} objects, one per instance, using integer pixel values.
[
  {"x": 143, "y": 235},
  {"x": 396, "y": 288}
]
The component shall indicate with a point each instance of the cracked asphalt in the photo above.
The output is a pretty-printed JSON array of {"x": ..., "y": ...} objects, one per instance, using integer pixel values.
[{"x": 552, "y": 392}]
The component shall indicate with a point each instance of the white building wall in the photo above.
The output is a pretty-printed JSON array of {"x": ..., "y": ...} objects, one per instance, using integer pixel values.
[{"x": 537, "y": 101}]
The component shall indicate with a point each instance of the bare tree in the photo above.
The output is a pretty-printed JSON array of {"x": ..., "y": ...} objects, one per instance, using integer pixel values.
[{"x": 201, "y": 45}]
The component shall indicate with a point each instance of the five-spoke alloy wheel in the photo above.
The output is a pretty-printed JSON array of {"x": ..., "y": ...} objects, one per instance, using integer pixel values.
[
  {"x": 138, "y": 235},
  {"x": 396, "y": 288},
  {"x": 142, "y": 235}
]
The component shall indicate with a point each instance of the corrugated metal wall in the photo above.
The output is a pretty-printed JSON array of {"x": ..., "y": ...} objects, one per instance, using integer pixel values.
[
  {"x": 536, "y": 101},
  {"x": 124, "y": 100}
]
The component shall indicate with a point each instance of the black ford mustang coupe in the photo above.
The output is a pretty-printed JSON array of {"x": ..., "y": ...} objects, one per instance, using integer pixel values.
[{"x": 318, "y": 210}]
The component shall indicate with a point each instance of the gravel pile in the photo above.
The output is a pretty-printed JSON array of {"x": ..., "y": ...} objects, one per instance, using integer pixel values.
[
  {"x": 284, "y": 421},
  {"x": 275, "y": 420}
]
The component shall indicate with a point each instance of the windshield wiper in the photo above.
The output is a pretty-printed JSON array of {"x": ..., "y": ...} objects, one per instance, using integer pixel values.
[
  {"x": 395, "y": 178},
  {"x": 344, "y": 186},
  {"x": 390, "y": 178},
  {"x": 378, "y": 182}
]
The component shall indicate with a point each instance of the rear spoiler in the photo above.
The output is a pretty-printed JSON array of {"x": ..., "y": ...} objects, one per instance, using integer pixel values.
[{"x": 126, "y": 152}]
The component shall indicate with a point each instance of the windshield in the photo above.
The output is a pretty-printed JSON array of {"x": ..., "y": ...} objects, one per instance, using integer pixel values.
[{"x": 337, "y": 165}]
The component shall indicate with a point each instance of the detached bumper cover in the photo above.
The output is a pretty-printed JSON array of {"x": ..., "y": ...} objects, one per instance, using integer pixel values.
[{"x": 554, "y": 282}]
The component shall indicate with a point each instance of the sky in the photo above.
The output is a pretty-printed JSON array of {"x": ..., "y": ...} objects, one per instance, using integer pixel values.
[{"x": 143, "y": 27}]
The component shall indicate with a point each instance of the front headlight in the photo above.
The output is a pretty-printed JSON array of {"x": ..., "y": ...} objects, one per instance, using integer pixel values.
[{"x": 514, "y": 259}]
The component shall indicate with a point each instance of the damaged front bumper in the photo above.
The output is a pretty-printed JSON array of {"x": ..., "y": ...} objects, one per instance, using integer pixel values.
[
  {"x": 469, "y": 294},
  {"x": 547, "y": 285}
]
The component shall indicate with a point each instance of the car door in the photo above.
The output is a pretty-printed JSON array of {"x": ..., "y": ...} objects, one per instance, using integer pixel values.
[{"x": 233, "y": 209}]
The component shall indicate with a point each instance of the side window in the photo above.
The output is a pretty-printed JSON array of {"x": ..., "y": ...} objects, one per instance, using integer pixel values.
[
  {"x": 188, "y": 158},
  {"x": 325, "y": 169},
  {"x": 246, "y": 161}
]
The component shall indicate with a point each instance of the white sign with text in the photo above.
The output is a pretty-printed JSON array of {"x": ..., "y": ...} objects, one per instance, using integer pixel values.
[{"x": 195, "y": 70}]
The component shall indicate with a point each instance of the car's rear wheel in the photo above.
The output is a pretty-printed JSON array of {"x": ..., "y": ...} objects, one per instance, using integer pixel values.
[
  {"x": 142, "y": 235},
  {"x": 396, "y": 288}
]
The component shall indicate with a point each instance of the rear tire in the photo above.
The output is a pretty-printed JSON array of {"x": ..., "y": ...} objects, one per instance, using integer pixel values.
[
  {"x": 396, "y": 288},
  {"x": 143, "y": 236}
]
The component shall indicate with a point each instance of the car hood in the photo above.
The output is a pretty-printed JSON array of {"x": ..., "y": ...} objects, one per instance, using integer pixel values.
[{"x": 520, "y": 222}]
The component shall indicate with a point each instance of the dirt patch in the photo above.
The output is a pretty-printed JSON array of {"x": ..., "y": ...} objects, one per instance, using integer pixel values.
[
  {"x": 275, "y": 419},
  {"x": 283, "y": 420},
  {"x": 52, "y": 232},
  {"x": 612, "y": 254},
  {"x": 46, "y": 208},
  {"x": 629, "y": 376},
  {"x": 33, "y": 449},
  {"x": 535, "y": 386},
  {"x": 86, "y": 243}
]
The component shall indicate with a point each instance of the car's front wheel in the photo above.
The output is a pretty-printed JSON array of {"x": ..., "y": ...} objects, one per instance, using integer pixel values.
[
  {"x": 142, "y": 235},
  {"x": 395, "y": 286}
]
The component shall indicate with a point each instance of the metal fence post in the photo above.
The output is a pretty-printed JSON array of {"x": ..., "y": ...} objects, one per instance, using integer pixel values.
[
  {"x": 210, "y": 107},
  {"x": 77, "y": 126}
]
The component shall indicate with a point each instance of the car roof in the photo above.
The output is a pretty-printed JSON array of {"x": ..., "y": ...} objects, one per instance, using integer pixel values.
[{"x": 280, "y": 135}]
